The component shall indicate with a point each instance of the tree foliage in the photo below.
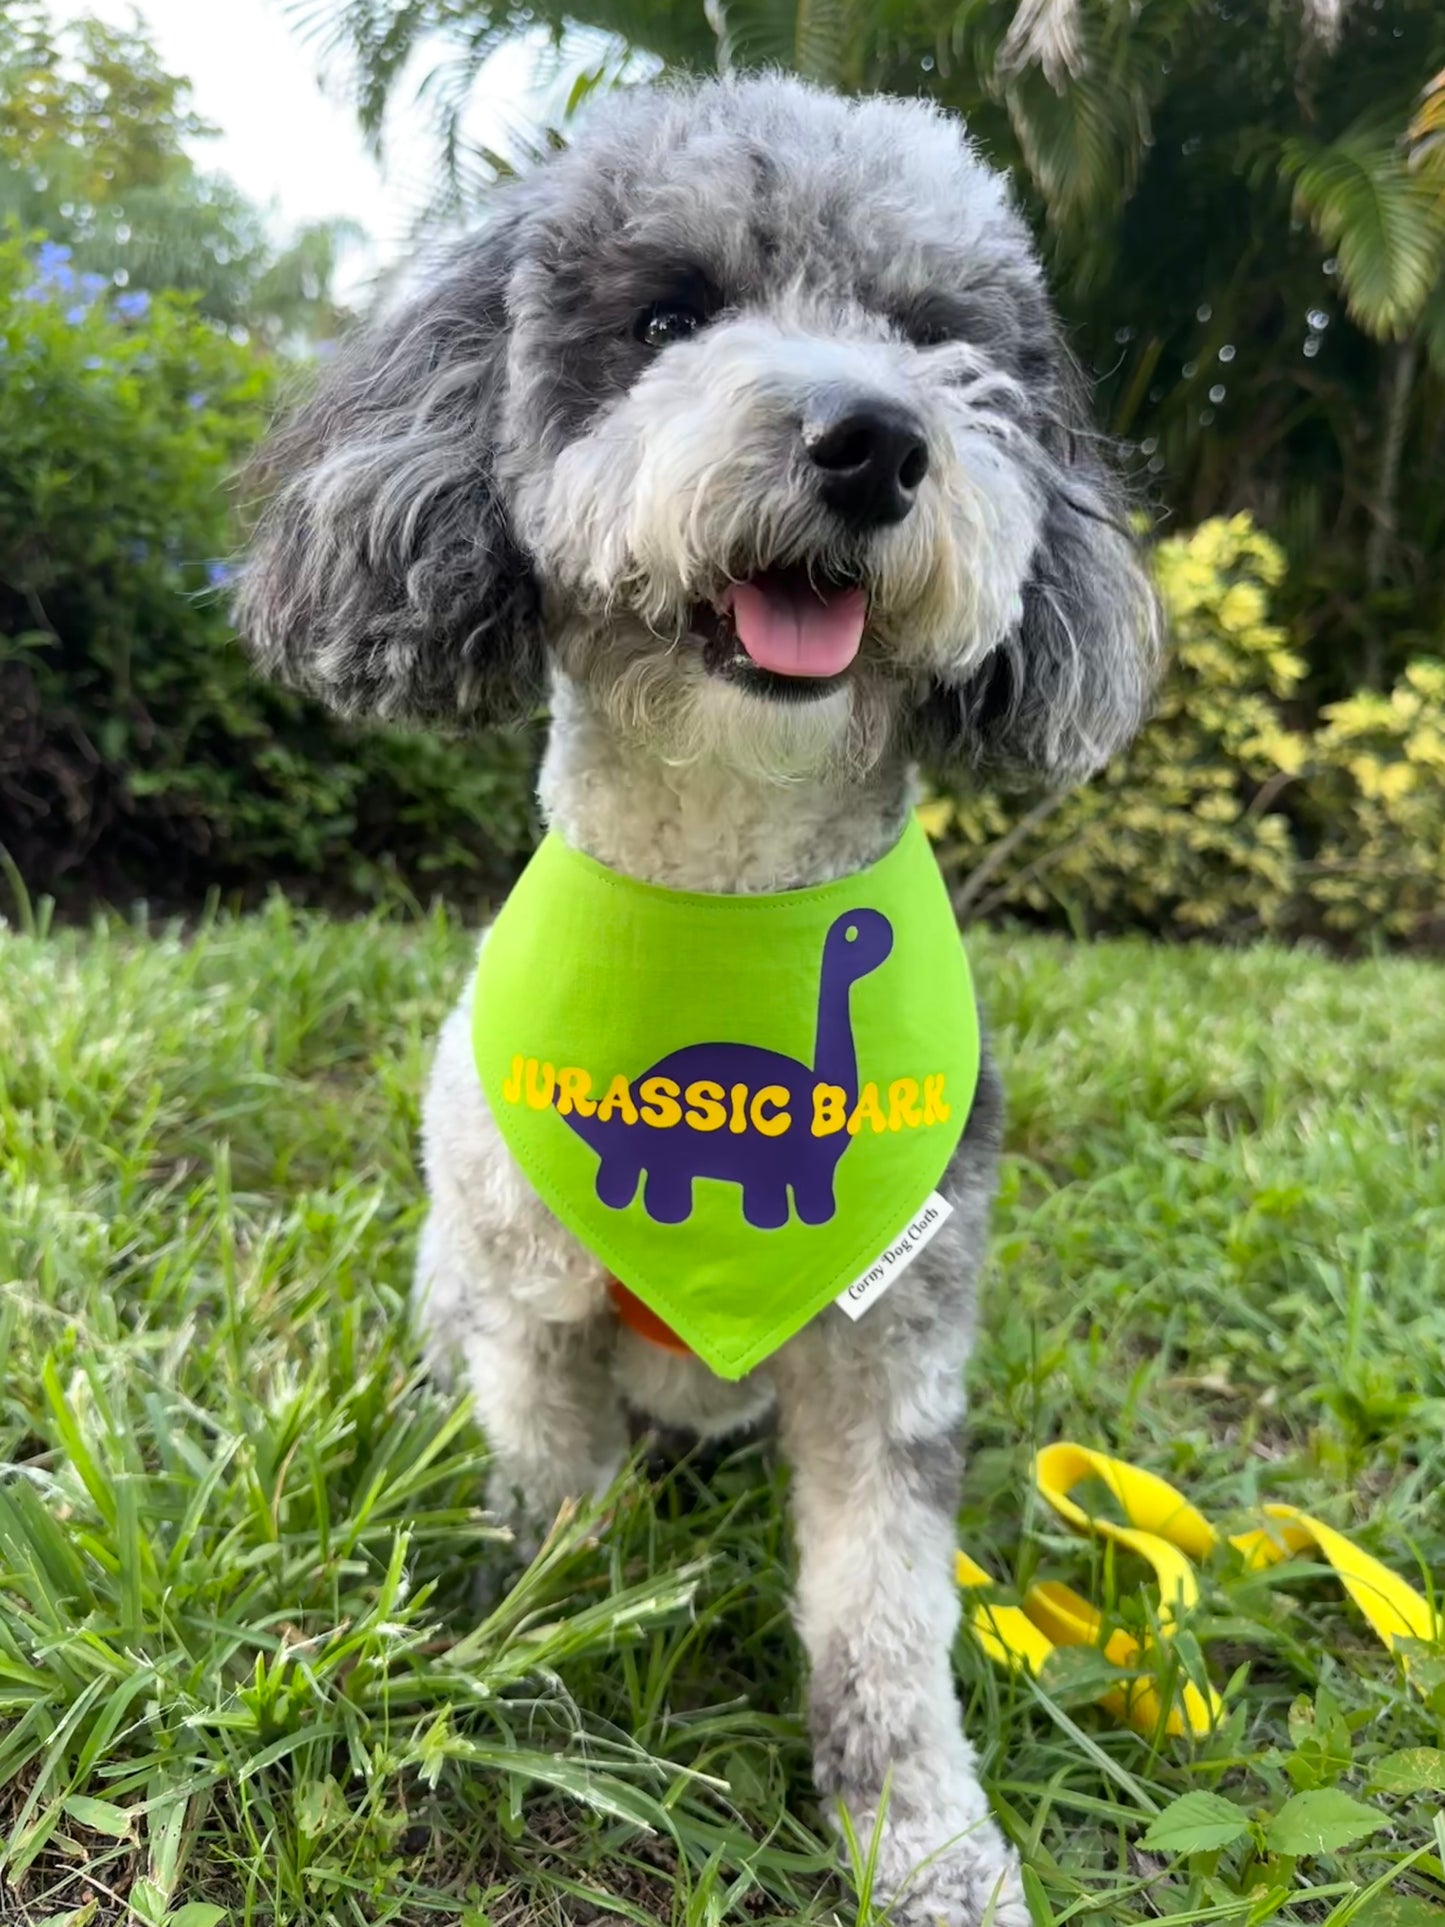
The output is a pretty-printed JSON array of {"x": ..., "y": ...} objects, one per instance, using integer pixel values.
[
  {"x": 1242, "y": 203},
  {"x": 1383, "y": 215},
  {"x": 94, "y": 152}
]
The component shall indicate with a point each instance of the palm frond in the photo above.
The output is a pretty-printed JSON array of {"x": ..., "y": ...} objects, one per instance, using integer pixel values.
[
  {"x": 1071, "y": 141},
  {"x": 375, "y": 39},
  {"x": 1432, "y": 329},
  {"x": 1425, "y": 136},
  {"x": 1045, "y": 34},
  {"x": 1384, "y": 220},
  {"x": 1082, "y": 110},
  {"x": 573, "y": 67},
  {"x": 808, "y": 37}
]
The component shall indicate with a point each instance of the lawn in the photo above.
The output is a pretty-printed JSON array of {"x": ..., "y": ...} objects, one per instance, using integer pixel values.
[{"x": 241, "y": 1663}]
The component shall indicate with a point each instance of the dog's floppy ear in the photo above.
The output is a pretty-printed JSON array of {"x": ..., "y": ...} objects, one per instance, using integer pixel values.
[
  {"x": 1072, "y": 684},
  {"x": 383, "y": 577}
]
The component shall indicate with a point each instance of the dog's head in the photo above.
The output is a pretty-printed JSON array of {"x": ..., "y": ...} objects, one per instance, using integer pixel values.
[{"x": 749, "y": 412}]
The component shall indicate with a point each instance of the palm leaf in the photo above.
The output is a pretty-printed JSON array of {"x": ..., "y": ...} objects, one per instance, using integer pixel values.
[
  {"x": 1384, "y": 220},
  {"x": 376, "y": 37},
  {"x": 1084, "y": 132},
  {"x": 1425, "y": 137},
  {"x": 1046, "y": 34},
  {"x": 1432, "y": 328},
  {"x": 809, "y": 37},
  {"x": 1071, "y": 140}
]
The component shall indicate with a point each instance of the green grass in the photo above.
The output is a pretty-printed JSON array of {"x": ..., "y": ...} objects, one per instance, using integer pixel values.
[{"x": 239, "y": 1664}]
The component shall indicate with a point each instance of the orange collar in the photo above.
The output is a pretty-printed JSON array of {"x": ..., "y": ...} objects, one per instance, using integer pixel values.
[{"x": 644, "y": 1321}]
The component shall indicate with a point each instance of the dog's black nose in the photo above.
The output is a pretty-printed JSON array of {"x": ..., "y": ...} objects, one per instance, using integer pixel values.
[{"x": 872, "y": 455}]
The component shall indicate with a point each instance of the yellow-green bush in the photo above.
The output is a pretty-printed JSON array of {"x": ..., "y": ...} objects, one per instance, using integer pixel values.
[
  {"x": 1228, "y": 815},
  {"x": 1378, "y": 787}
]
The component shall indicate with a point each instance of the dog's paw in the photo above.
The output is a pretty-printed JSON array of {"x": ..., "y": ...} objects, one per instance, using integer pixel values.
[
  {"x": 926, "y": 1877},
  {"x": 494, "y": 1577}
]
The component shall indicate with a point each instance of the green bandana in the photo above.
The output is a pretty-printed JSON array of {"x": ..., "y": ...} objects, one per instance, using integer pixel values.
[{"x": 737, "y": 1103}]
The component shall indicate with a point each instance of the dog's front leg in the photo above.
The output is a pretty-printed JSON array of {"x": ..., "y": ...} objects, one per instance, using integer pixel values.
[
  {"x": 870, "y": 1417},
  {"x": 508, "y": 1300},
  {"x": 542, "y": 1388},
  {"x": 544, "y": 1398}
]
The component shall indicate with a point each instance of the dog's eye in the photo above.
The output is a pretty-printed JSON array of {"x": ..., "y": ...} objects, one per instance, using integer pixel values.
[
  {"x": 929, "y": 327},
  {"x": 937, "y": 318},
  {"x": 665, "y": 322}
]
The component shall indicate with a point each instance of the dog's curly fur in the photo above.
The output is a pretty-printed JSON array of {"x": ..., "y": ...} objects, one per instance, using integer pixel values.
[{"x": 503, "y": 493}]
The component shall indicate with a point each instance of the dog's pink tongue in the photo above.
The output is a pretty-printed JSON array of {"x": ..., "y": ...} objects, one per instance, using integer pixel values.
[{"x": 791, "y": 629}]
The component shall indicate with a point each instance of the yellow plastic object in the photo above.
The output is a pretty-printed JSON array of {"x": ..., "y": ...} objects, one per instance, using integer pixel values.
[
  {"x": 1006, "y": 1633},
  {"x": 1163, "y": 1525},
  {"x": 1053, "y": 1615},
  {"x": 1070, "y": 1620},
  {"x": 1167, "y": 1532},
  {"x": 1395, "y": 1610}
]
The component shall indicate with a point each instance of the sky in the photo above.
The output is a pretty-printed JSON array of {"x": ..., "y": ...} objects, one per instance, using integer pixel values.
[{"x": 284, "y": 140}]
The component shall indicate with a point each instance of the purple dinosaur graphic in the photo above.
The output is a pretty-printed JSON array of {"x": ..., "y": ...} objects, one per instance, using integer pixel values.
[{"x": 764, "y": 1165}]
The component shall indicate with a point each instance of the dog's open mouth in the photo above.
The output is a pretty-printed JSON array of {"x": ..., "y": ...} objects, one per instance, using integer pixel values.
[{"x": 789, "y": 630}]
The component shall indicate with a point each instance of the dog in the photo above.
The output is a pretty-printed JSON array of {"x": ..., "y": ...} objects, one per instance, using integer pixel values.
[{"x": 741, "y": 353}]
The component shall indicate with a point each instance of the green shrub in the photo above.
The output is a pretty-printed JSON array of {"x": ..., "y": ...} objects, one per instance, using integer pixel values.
[
  {"x": 138, "y": 753},
  {"x": 1231, "y": 814},
  {"x": 1378, "y": 794}
]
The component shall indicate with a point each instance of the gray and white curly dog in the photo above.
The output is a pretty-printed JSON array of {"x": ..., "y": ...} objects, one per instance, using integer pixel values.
[{"x": 742, "y": 434}]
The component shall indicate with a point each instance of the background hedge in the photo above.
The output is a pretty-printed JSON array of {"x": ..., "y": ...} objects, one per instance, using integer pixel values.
[{"x": 139, "y": 756}]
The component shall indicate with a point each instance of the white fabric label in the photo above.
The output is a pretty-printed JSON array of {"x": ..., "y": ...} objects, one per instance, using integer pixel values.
[{"x": 933, "y": 1213}]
